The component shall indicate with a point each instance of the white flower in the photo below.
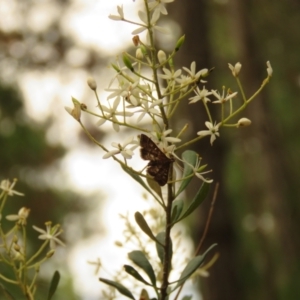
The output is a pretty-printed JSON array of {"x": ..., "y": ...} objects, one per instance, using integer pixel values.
[
  {"x": 212, "y": 131},
  {"x": 235, "y": 69},
  {"x": 120, "y": 16},
  {"x": 164, "y": 141},
  {"x": 50, "y": 234},
  {"x": 159, "y": 6},
  {"x": 146, "y": 109},
  {"x": 129, "y": 91},
  {"x": 200, "y": 95},
  {"x": 223, "y": 98},
  {"x": 197, "y": 169},
  {"x": 192, "y": 71},
  {"x": 269, "y": 69},
  {"x": 144, "y": 19},
  {"x": 127, "y": 153},
  {"x": 184, "y": 82},
  {"x": 111, "y": 114},
  {"x": 7, "y": 187},
  {"x": 20, "y": 217},
  {"x": 170, "y": 75}
]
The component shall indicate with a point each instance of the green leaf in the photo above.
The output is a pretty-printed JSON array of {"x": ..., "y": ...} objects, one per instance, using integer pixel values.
[
  {"x": 139, "y": 258},
  {"x": 160, "y": 249},
  {"x": 139, "y": 218},
  {"x": 187, "y": 298},
  {"x": 177, "y": 208},
  {"x": 134, "y": 273},
  {"x": 191, "y": 157},
  {"x": 198, "y": 199},
  {"x": 154, "y": 186},
  {"x": 137, "y": 178},
  {"x": 121, "y": 288},
  {"x": 53, "y": 284},
  {"x": 191, "y": 267},
  {"x": 6, "y": 293}
]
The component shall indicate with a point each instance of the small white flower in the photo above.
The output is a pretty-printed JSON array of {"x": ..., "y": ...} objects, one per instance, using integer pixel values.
[
  {"x": 146, "y": 109},
  {"x": 170, "y": 75},
  {"x": 197, "y": 170},
  {"x": 235, "y": 69},
  {"x": 144, "y": 19},
  {"x": 164, "y": 141},
  {"x": 120, "y": 16},
  {"x": 125, "y": 152},
  {"x": 200, "y": 95},
  {"x": 269, "y": 69},
  {"x": 159, "y": 6},
  {"x": 50, "y": 234},
  {"x": 223, "y": 98},
  {"x": 21, "y": 217},
  {"x": 7, "y": 187},
  {"x": 212, "y": 131},
  {"x": 111, "y": 114},
  {"x": 192, "y": 71}
]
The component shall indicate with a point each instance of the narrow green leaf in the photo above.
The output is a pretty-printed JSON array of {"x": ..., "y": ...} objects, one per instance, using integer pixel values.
[
  {"x": 53, "y": 284},
  {"x": 139, "y": 258},
  {"x": 192, "y": 266},
  {"x": 177, "y": 208},
  {"x": 198, "y": 199},
  {"x": 134, "y": 273},
  {"x": 137, "y": 178},
  {"x": 154, "y": 186},
  {"x": 121, "y": 288},
  {"x": 160, "y": 249},
  {"x": 139, "y": 218},
  {"x": 191, "y": 157}
]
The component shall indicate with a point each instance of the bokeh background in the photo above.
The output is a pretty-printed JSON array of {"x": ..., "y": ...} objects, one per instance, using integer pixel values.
[{"x": 47, "y": 51}]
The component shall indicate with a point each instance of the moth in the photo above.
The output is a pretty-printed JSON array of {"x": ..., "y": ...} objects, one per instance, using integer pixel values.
[{"x": 159, "y": 164}]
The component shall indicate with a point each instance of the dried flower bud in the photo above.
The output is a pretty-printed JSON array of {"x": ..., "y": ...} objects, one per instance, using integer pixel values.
[
  {"x": 139, "y": 54},
  {"x": 162, "y": 57},
  {"x": 136, "y": 40},
  {"x": 76, "y": 111},
  {"x": 243, "y": 122},
  {"x": 92, "y": 83},
  {"x": 235, "y": 69}
]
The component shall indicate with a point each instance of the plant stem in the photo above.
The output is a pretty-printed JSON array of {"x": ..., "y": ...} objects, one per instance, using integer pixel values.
[{"x": 167, "y": 247}]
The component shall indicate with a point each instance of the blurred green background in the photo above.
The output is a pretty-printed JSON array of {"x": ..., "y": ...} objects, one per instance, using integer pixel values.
[{"x": 256, "y": 219}]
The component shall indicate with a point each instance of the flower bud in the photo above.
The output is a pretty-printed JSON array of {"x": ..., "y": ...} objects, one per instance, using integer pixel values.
[
  {"x": 127, "y": 62},
  {"x": 139, "y": 54},
  {"x": 243, "y": 122},
  {"x": 179, "y": 43},
  {"x": 92, "y": 83},
  {"x": 162, "y": 57},
  {"x": 235, "y": 69},
  {"x": 269, "y": 69}
]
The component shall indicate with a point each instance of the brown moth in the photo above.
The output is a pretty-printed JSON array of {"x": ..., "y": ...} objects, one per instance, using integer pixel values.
[{"x": 159, "y": 164}]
